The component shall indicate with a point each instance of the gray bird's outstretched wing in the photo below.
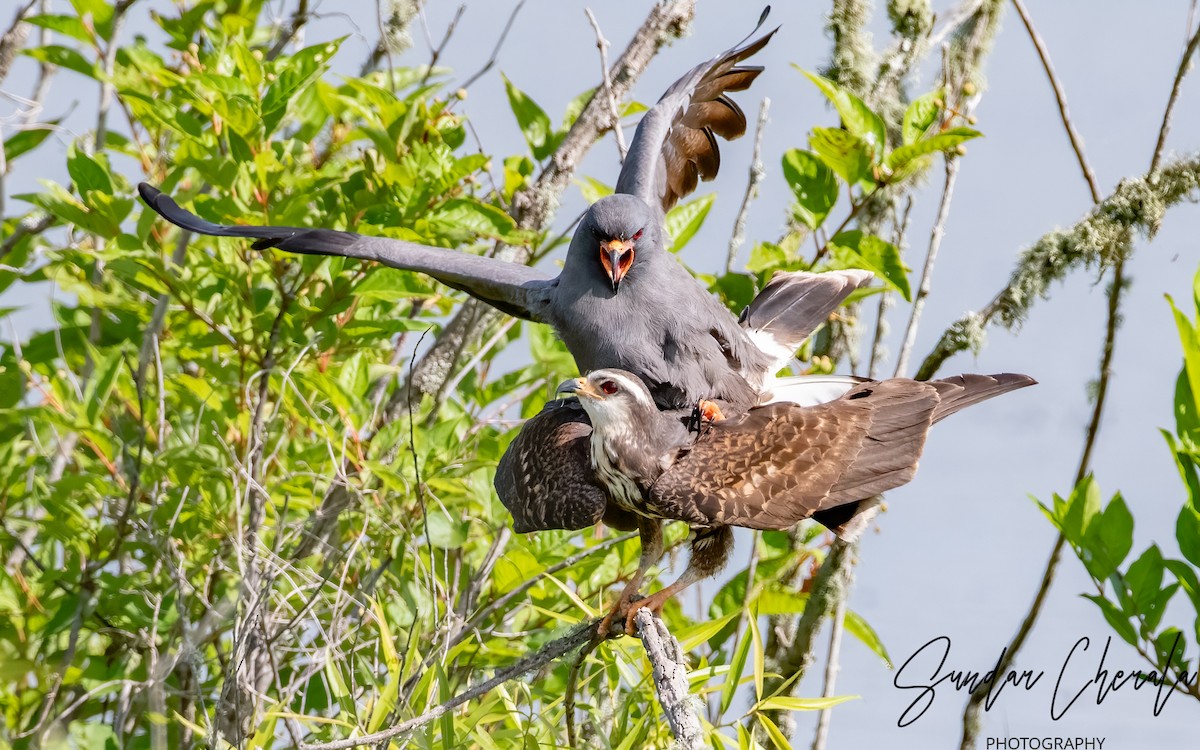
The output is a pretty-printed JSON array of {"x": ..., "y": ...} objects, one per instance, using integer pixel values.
[
  {"x": 780, "y": 463},
  {"x": 675, "y": 144},
  {"x": 512, "y": 288}
]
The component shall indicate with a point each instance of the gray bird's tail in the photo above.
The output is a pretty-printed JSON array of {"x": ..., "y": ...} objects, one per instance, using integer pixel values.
[{"x": 792, "y": 305}]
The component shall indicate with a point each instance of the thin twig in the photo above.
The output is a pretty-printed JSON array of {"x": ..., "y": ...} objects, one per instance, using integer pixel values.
[
  {"x": 1060, "y": 96},
  {"x": 935, "y": 243},
  {"x": 437, "y": 51},
  {"x": 285, "y": 37},
  {"x": 971, "y": 719},
  {"x": 757, "y": 172},
  {"x": 837, "y": 626},
  {"x": 613, "y": 105},
  {"x": 491, "y": 61},
  {"x": 1180, "y": 72}
]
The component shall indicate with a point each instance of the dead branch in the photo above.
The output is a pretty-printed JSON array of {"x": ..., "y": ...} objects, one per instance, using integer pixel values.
[{"x": 669, "y": 666}]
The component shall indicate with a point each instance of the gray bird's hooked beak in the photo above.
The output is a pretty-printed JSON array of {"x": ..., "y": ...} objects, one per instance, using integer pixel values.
[
  {"x": 617, "y": 258},
  {"x": 580, "y": 387}
]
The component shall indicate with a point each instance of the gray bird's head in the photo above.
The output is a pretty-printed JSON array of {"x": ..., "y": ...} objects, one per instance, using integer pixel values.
[
  {"x": 614, "y": 231},
  {"x": 614, "y": 399}
]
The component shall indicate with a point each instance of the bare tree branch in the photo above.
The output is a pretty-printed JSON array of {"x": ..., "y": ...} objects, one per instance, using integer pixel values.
[
  {"x": 1184, "y": 66},
  {"x": 14, "y": 38},
  {"x": 670, "y": 680},
  {"x": 757, "y": 172},
  {"x": 613, "y": 105},
  {"x": 1061, "y": 98}
]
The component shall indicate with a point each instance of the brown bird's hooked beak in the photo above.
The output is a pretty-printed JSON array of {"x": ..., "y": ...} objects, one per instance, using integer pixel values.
[
  {"x": 580, "y": 387},
  {"x": 617, "y": 258}
]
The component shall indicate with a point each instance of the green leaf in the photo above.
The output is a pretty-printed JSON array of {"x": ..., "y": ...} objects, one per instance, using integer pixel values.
[
  {"x": 1189, "y": 339},
  {"x": 1118, "y": 621},
  {"x": 1144, "y": 578},
  {"x": 734, "y": 677},
  {"x": 1187, "y": 533},
  {"x": 87, "y": 173},
  {"x": 813, "y": 185},
  {"x": 859, "y": 628},
  {"x": 948, "y": 140},
  {"x": 27, "y": 140},
  {"x": 844, "y": 153},
  {"x": 532, "y": 119},
  {"x": 475, "y": 218},
  {"x": 921, "y": 115},
  {"x": 100, "y": 386},
  {"x": 789, "y": 703},
  {"x": 856, "y": 116},
  {"x": 593, "y": 190},
  {"x": 874, "y": 254},
  {"x": 445, "y": 532},
  {"x": 1082, "y": 506},
  {"x": 1108, "y": 539},
  {"x": 778, "y": 738},
  {"x": 64, "y": 57},
  {"x": 684, "y": 220},
  {"x": 67, "y": 25}
]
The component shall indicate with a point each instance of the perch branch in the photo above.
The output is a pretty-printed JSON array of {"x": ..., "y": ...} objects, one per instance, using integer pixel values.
[{"x": 671, "y": 680}]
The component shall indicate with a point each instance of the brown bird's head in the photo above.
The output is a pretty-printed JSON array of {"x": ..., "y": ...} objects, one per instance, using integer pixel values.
[
  {"x": 616, "y": 400},
  {"x": 614, "y": 230}
]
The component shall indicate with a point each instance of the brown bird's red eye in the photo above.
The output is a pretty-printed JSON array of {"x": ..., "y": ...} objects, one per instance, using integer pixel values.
[
  {"x": 637, "y": 235},
  {"x": 608, "y": 387}
]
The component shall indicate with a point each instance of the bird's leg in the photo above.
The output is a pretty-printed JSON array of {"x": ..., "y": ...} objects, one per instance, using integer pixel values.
[
  {"x": 651, "y": 537},
  {"x": 710, "y": 552}
]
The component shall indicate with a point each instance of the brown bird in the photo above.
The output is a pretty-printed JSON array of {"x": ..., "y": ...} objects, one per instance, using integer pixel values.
[{"x": 767, "y": 468}]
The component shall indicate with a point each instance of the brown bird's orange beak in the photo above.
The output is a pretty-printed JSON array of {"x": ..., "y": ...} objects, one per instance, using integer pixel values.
[
  {"x": 581, "y": 387},
  {"x": 617, "y": 258}
]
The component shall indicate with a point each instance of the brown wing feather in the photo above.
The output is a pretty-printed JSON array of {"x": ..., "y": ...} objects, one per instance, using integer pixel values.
[
  {"x": 780, "y": 463},
  {"x": 675, "y": 145},
  {"x": 545, "y": 478}
]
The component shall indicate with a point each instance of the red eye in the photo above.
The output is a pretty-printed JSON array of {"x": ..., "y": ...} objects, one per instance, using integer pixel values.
[
  {"x": 637, "y": 235},
  {"x": 608, "y": 387}
]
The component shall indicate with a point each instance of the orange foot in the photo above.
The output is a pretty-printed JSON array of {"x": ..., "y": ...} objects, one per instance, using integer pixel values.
[
  {"x": 709, "y": 411},
  {"x": 618, "y": 612},
  {"x": 653, "y": 603}
]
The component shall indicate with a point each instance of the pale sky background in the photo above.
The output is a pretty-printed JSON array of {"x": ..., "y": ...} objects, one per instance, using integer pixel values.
[{"x": 962, "y": 548}]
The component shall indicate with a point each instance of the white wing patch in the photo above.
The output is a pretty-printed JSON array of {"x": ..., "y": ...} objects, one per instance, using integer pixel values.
[{"x": 808, "y": 390}]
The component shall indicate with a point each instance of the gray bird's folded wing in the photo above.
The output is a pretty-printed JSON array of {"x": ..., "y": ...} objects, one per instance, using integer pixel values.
[
  {"x": 781, "y": 463},
  {"x": 510, "y": 287},
  {"x": 675, "y": 144},
  {"x": 792, "y": 305}
]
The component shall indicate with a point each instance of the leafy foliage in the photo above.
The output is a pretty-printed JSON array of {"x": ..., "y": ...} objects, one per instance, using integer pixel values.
[
  {"x": 169, "y": 448},
  {"x": 1134, "y": 598}
]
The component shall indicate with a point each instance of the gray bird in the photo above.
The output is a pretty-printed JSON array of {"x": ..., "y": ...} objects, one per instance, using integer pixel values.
[
  {"x": 621, "y": 299},
  {"x": 767, "y": 468}
]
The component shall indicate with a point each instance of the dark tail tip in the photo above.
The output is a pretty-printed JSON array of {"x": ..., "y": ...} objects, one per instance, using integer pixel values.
[{"x": 149, "y": 193}]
